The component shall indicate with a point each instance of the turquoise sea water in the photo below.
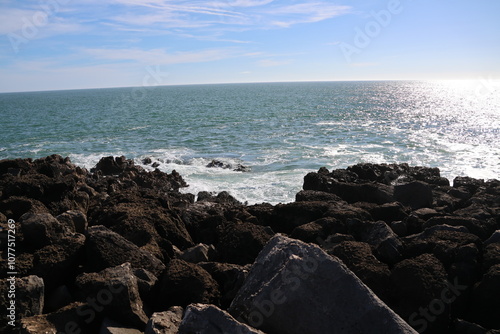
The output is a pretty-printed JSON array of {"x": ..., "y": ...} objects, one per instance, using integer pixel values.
[{"x": 281, "y": 130}]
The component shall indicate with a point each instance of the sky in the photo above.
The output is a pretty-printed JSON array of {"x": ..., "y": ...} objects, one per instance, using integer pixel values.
[{"x": 70, "y": 44}]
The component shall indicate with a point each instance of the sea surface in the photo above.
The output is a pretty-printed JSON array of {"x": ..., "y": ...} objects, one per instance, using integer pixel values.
[{"x": 281, "y": 131}]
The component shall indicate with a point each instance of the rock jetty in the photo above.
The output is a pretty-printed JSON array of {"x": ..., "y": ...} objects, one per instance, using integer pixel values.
[{"x": 373, "y": 248}]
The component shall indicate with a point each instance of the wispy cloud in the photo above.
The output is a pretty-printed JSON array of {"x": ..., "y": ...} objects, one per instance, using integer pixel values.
[{"x": 161, "y": 56}]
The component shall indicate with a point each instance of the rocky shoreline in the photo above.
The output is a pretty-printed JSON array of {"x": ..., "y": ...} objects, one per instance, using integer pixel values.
[{"x": 368, "y": 249}]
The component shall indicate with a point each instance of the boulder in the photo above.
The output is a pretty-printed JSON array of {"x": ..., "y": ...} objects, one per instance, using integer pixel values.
[
  {"x": 229, "y": 277},
  {"x": 240, "y": 243},
  {"x": 105, "y": 248},
  {"x": 109, "y": 326},
  {"x": 29, "y": 295},
  {"x": 385, "y": 243},
  {"x": 288, "y": 216},
  {"x": 415, "y": 194},
  {"x": 482, "y": 228},
  {"x": 316, "y": 196},
  {"x": 184, "y": 283},
  {"x": 358, "y": 257},
  {"x": 491, "y": 255},
  {"x": 421, "y": 293},
  {"x": 209, "y": 319},
  {"x": 59, "y": 262},
  {"x": 76, "y": 221},
  {"x": 115, "y": 293},
  {"x": 389, "y": 212},
  {"x": 198, "y": 253},
  {"x": 74, "y": 318},
  {"x": 41, "y": 229},
  {"x": 295, "y": 287},
  {"x": 485, "y": 304},
  {"x": 166, "y": 322}
]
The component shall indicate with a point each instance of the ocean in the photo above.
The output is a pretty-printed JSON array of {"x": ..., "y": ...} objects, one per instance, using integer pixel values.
[{"x": 281, "y": 131}]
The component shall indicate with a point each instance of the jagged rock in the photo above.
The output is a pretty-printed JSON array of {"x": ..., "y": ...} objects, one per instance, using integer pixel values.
[
  {"x": 143, "y": 218},
  {"x": 494, "y": 238},
  {"x": 358, "y": 257},
  {"x": 198, "y": 253},
  {"x": 116, "y": 293},
  {"x": 286, "y": 217},
  {"x": 344, "y": 212},
  {"x": 15, "y": 206},
  {"x": 109, "y": 326},
  {"x": 399, "y": 227},
  {"x": 385, "y": 243},
  {"x": 41, "y": 229},
  {"x": 425, "y": 213},
  {"x": 491, "y": 255},
  {"x": 483, "y": 229},
  {"x": 318, "y": 230},
  {"x": 240, "y": 243},
  {"x": 417, "y": 287},
  {"x": 59, "y": 262},
  {"x": 350, "y": 192},
  {"x": 316, "y": 196},
  {"x": 183, "y": 283},
  {"x": 29, "y": 296},
  {"x": 295, "y": 287},
  {"x": 442, "y": 241},
  {"x": 229, "y": 277},
  {"x": 105, "y": 248},
  {"x": 209, "y": 319},
  {"x": 388, "y": 212},
  {"x": 166, "y": 322},
  {"x": 58, "y": 298},
  {"x": 76, "y": 221},
  {"x": 146, "y": 282},
  {"x": 74, "y": 318},
  {"x": 472, "y": 185},
  {"x": 485, "y": 304},
  {"x": 415, "y": 194}
]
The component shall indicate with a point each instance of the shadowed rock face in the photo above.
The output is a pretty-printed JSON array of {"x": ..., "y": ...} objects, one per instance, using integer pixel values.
[
  {"x": 295, "y": 287},
  {"x": 403, "y": 232}
]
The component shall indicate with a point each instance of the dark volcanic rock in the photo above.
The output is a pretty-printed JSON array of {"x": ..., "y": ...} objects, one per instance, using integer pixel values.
[
  {"x": 417, "y": 287},
  {"x": 358, "y": 257},
  {"x": 105, "y": 248},
  {"x": 166, "y": 322},
  {"x": 201, "y": 318},
  {"x": 59, "y": 262},
  {"x": 74, "y": 318},
  {"x": 240, "y": 243},
  {"x": 41, "y": 229},
  {"x": 415, "y": 194},
  {"x": 428, "y": 250},
  {"x": 230, "y": 278},
  {"x": 485, "y": 306},
  {"x": 295, "y": 287},
  {"x": 117, "y": 292},
  {"x": 184, "y": 283},
  {"x": 286, "y": 217}
]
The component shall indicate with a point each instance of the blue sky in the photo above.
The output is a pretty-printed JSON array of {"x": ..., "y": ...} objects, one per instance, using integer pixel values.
[{"x": 69, "y": 44}]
